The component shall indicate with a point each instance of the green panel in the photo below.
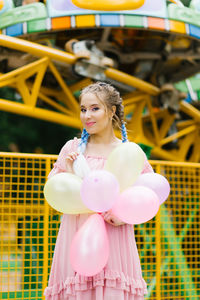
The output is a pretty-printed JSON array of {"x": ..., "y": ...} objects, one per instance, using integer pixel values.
[
  {"x": 12, "y": 264},
  {"x": 22, "y": 14},
  {"x": 36, "y": 25},
  {"x": 25, "y": 295},
  {"x": 195, "y": 83},
  {"x": 33, "y": 249},
  {"x": 174, "y": 242},
  {"x": 184, "y": 14},
  {"x": 133, "y": 21},
  {"x": 181, "y": 86},
  {"x": 198, "y": 95}
]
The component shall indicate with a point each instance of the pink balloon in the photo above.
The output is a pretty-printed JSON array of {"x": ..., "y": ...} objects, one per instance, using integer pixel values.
[
  {"x": 99, "y": 190},
  {"x": 136, "y": 205},
  {"x": 90, "y": 247},
  {"x": 157, "y": 183}
]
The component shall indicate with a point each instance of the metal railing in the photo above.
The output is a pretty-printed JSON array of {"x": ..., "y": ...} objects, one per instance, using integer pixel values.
[{"x": 168, "y": 245}]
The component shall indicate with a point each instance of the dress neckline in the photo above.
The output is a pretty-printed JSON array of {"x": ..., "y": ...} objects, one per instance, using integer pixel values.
[
  {"x": 95, "y": 156},
  {"x": 90, "y": 155}
]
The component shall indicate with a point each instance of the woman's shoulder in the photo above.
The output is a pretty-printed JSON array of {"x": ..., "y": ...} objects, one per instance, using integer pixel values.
[{"x": 71, "y": 145}]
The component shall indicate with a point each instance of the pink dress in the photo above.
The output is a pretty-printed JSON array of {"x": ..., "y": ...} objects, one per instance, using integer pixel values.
[{"x": 121, "y": 279}]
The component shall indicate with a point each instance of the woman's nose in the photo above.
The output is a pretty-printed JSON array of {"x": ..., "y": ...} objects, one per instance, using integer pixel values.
[{"x": 87, "y": 114}]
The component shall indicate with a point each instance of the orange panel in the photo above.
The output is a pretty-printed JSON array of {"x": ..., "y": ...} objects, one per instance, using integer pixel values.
[
  {"x": 156, "y": 23},
  {"x": 177, "y": 26},
  {"x": 85, "y": 21},
  {"x": 61, "y": 22}
]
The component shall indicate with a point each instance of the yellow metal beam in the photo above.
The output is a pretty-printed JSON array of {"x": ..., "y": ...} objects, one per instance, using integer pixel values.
[
  {"x": 39, "y": 113},
  {"x": 132, "y": 95},
  {"x": 134, "y": 99},
  {"x": 167, "y": 121},
  {"x": 24, "y": 72},
  {"x": 132, "y": 81},
  {"x": 36, "y": 49},
  {"x": 55, "y": 105},
  {"x": 196, "y": 148},
  {"x": 70, "y": 99},
  {"x": 159, "y": 114},
  {"x": 178, "y": 135},
  {"x": 153, "y": 120},
  {"x": 80, "y": 84},
  {"x": 185, "y": 123},
  {"x": 135, "y": 126},
  {"x": 18, "y": 78},
  {"x": 165, "y": 154},
  {"x": 184, "y": 144},
  {"x": 190, "y": 110}
]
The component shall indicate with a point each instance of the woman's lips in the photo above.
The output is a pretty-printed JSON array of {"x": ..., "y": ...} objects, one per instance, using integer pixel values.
[{"x": 88, "y": 124}]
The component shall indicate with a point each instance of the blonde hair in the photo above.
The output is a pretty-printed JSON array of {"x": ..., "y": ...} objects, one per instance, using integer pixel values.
[{"x": 109, "y": 96}]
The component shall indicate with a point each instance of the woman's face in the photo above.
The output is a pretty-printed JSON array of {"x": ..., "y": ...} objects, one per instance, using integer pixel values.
[{"x": 94, "y": 115}]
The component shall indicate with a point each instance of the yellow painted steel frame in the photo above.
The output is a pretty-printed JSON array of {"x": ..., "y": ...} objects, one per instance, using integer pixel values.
[
  {"x": 31, "y": 90},
  {"x": 145, "y": 123}
]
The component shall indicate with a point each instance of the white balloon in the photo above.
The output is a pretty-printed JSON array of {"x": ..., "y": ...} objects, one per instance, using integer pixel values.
[
  {"x": 80, "y": 166},
  {"x": 62, "y": 192},
  {"x": 126, "y": 163}
]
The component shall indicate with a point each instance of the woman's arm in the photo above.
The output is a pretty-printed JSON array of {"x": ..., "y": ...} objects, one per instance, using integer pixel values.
[{"x": 60, "y": 165}]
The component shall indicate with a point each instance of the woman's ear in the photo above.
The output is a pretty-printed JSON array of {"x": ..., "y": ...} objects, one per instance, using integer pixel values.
[{"x": 114, "y": 109}]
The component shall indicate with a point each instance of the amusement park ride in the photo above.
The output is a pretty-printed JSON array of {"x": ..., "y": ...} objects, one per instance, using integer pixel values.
[{"x": 147, "y": 49}]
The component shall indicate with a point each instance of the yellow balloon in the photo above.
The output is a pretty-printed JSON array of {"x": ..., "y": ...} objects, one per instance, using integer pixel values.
[
  {"x": 109, "y": 5},
  {"x": 1, "y": 4},
  {"x": 126, "y": 163},
  {"x": 62, "y": 192}
]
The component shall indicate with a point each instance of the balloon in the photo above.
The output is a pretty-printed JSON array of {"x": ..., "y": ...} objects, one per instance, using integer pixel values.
[
  {"x": 80, "y": 166},
  {"x": 136, "y": 205},
  {"x": 99, "y": 190},
  {"x": 157, "y": 183},
  {"x": 62, "y": 192},
  {"x": 90, "y": 247},
  {"x": 126, "y": 163}
]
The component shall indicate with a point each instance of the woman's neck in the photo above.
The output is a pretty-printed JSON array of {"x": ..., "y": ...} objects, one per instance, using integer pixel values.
[{"x": 103, "y": 138}]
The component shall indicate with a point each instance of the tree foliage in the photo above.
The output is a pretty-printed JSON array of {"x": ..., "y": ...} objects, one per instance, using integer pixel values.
[
  {"x": 24, "y": 134},
  {"x": 32, "y": 135}
]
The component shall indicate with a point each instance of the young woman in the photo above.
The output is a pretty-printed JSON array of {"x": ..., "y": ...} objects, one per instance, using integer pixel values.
[{"x": 101, "y": 110}]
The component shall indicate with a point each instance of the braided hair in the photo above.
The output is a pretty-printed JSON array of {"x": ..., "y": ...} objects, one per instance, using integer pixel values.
[{"x": 107, "y": 94}]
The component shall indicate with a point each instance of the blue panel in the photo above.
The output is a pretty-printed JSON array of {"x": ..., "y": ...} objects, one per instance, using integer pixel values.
[
  {"x": 15, "y": 30},
  {"x": 194, "y": 31},
  {"x": 109, "y": 20}
]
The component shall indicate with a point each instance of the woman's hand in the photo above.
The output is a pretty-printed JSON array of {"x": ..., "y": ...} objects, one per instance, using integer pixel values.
[
  {"x": 111, "y": 219},
  {"x": 71, "y": 157}
]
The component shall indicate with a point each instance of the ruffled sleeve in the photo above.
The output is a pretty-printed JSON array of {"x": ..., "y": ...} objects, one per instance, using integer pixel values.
[{"x": 60, "y": 166}]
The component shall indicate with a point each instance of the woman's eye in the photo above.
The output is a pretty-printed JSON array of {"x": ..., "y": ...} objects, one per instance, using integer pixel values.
[
  {"x": 83, "y": 110},
  {"x": 95, "y": 108}
]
